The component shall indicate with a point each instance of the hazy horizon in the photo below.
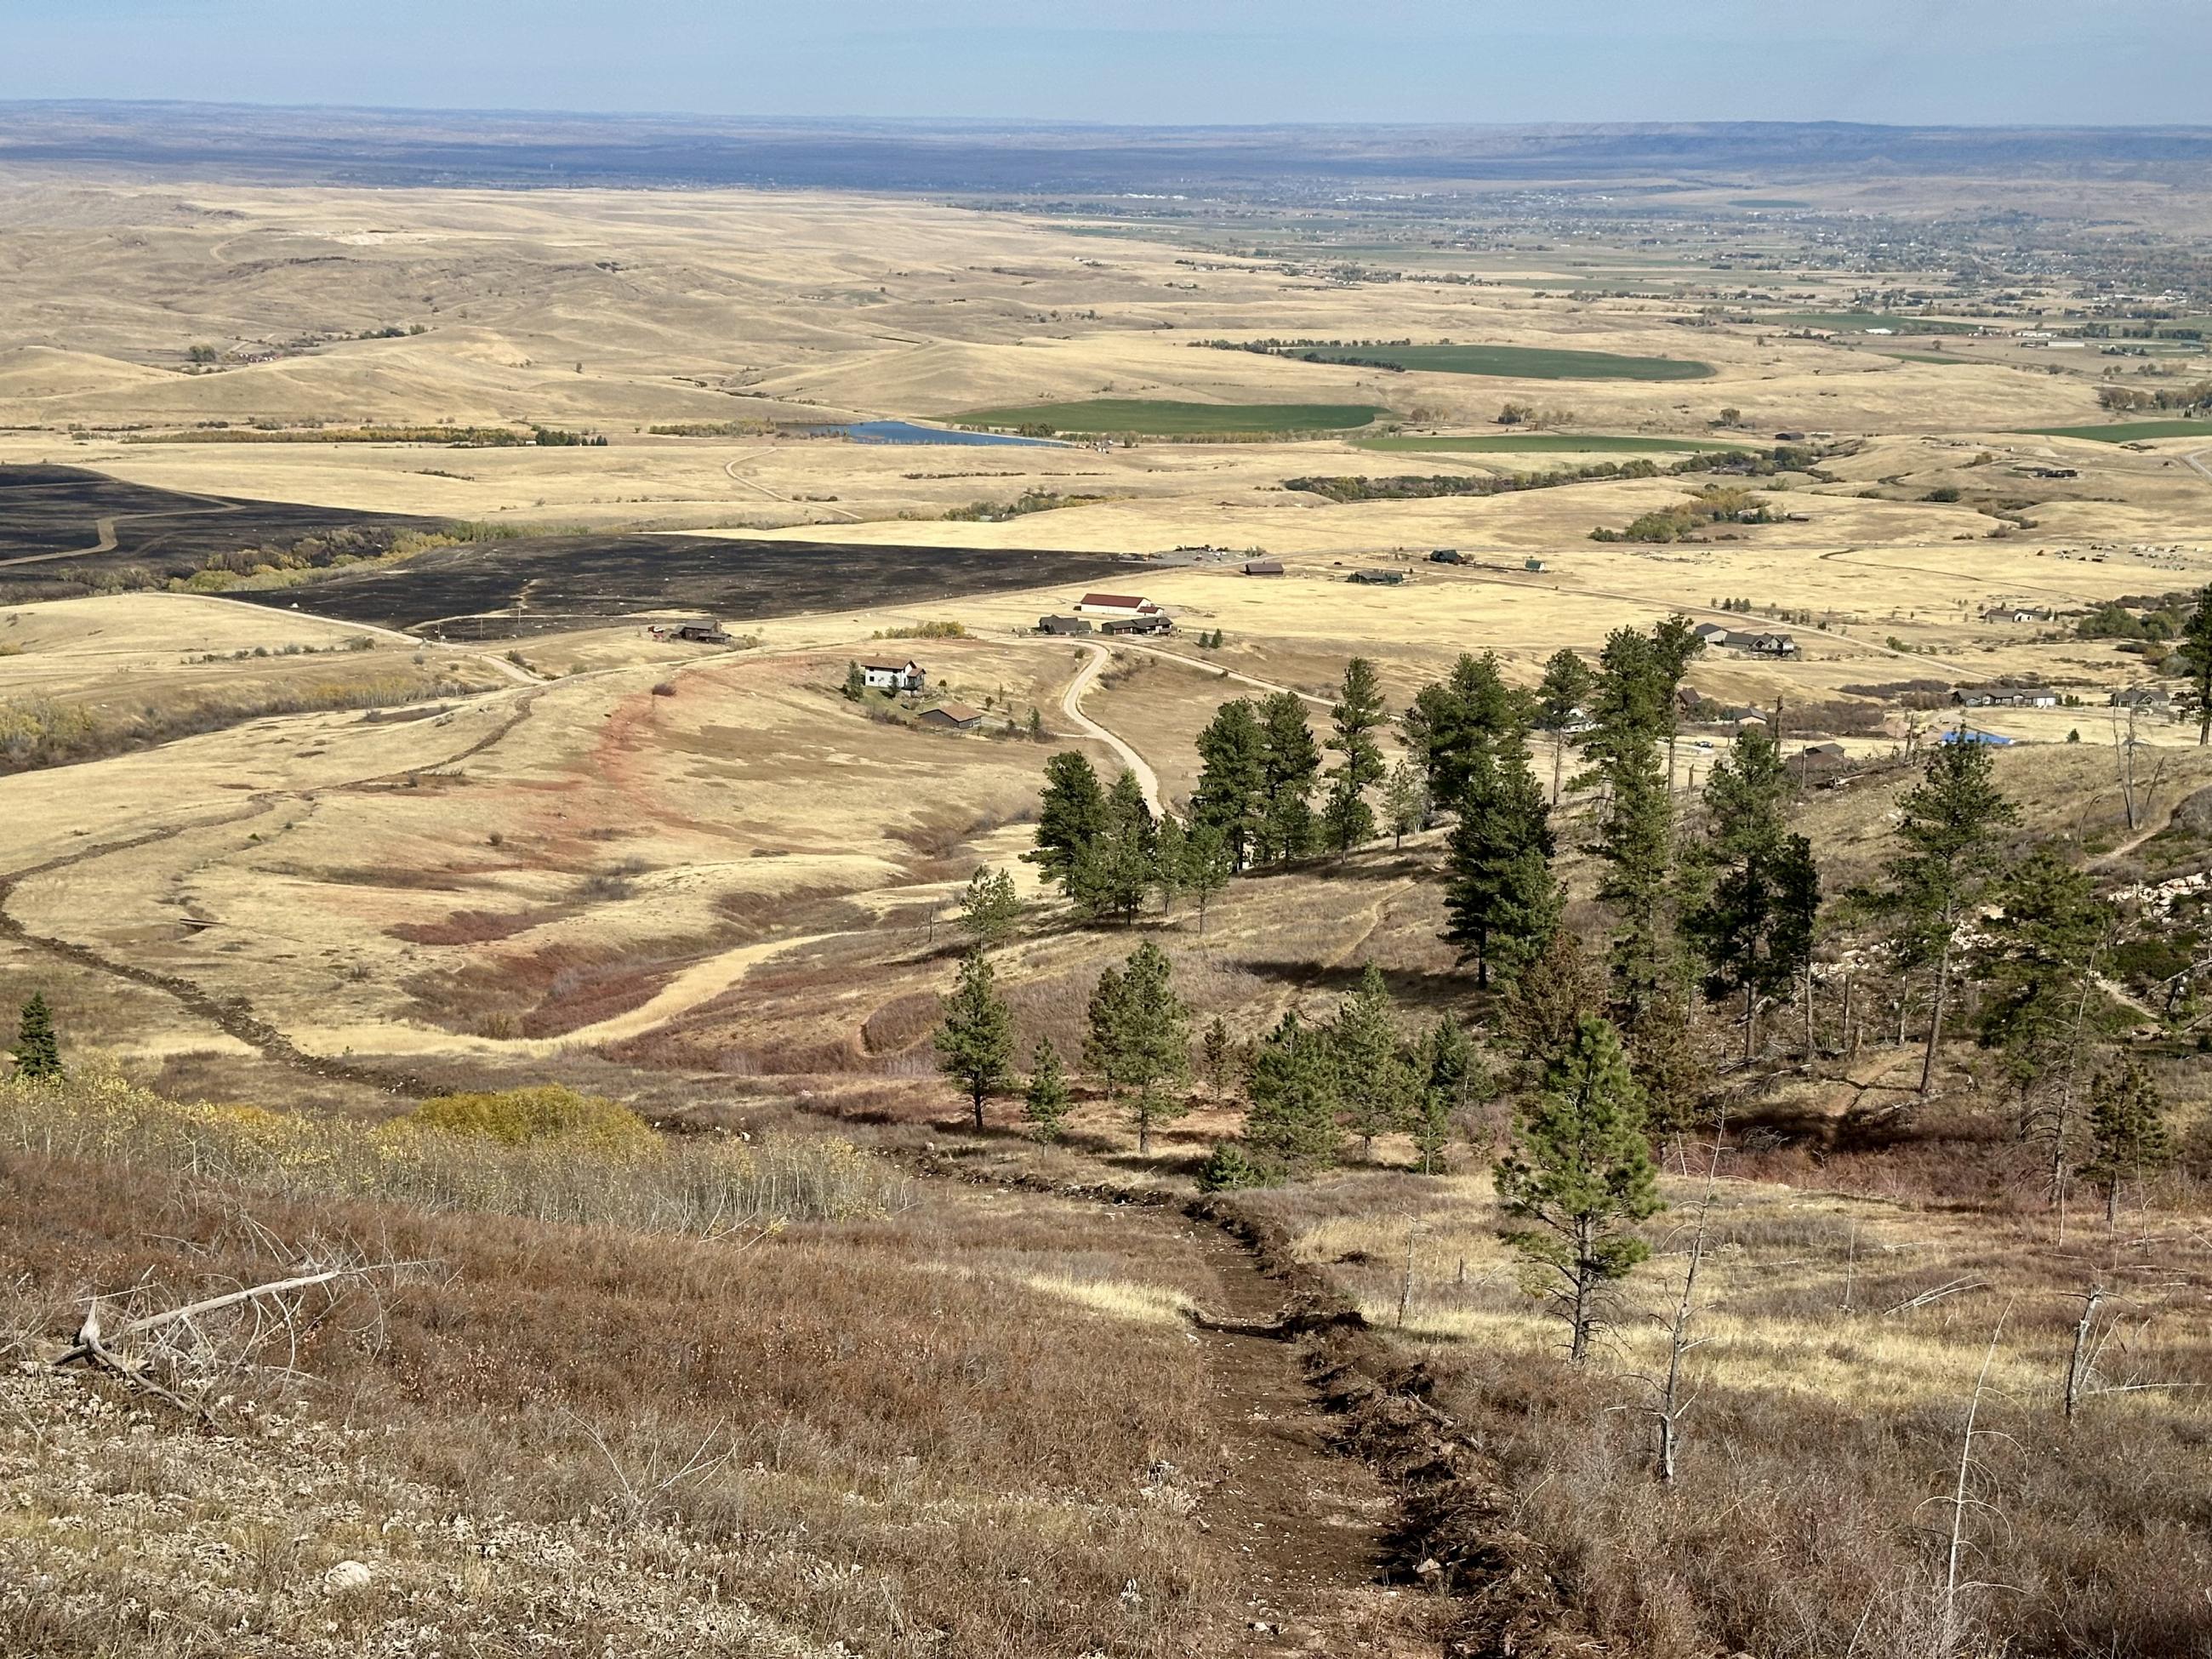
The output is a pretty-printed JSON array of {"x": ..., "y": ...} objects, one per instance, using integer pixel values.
[{"x": 1970, "y": 62}]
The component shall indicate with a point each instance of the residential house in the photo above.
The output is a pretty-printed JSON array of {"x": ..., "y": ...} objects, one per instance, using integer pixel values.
[
  {"x": 2007, "y": 696},
  {"x": 1263, "y": 567},
  {"x": 1446, "y": 556},
  {"x": 1062, "y": 625},
  {"x": 2156, "y": 698},
  {"x": 2015, "y": 613},
  {"x": 1377, "y": 577},
  {"x": 893, "y": 675}
]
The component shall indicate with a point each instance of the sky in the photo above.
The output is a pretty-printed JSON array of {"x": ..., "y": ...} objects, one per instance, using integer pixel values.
[{"x": 1138, "y": 62}]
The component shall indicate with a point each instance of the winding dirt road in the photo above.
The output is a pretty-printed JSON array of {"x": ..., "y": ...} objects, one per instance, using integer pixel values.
[{"x": 1071, "y": 704}]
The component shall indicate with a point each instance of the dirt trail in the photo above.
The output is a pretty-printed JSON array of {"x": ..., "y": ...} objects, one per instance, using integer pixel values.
[
  {"x": 1310, "y": 1522},
  {"x": 234, "y": 1015},
  {"x": 1311, "y": 1527},
  {"x": 104, "y": 529}
]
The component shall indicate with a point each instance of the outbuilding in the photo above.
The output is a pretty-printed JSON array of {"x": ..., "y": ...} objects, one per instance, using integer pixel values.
[
  {"x": 1263, "y": 567},
  {"x": 951, "y": 717},
  {"x": 1116, "y": 606}
]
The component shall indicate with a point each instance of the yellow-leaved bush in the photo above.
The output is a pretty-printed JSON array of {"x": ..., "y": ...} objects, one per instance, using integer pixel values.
[{"x": 547, "y": 1153}]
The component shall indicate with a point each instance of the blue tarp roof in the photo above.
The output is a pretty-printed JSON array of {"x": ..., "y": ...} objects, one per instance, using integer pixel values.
[{"x": 1989, "y": 738}]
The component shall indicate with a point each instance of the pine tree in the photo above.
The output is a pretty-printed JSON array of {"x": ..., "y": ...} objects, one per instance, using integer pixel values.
[
  {"x": 37, "y": 1052},
  {"x": 2128, "y": 1133},
  {"x": 1291, "y": 1124},
  {"x": 1102, "y": 1042},
  {"x": 1550, "y": 999},
  {"x": 1671, "y": 1059},
  {"x": 1232, "y": 779},
  {"x": 1501, "y": 900},
  {"x": 1170, "y": 861},
  {"x": 1453, "y": 1080},
  {"x": 1291, "y": 761},
  {"x": 1580, "y": 1172},
  {"x": 1405, "y": 801},
  {"x": 990, "y": 908},
  {"x": 1452, "y": 724},
  {"x": 1071, "y": 819},
  {"x": 856, "y": 682},
  {"x": 1949, "y": 850},
  {"x": 1357, "y": 715},
  {"x": 1048, "y": 1102},
  {"x": 1675, "y": 644},
  {"x": 1632, "y": 711},
  {"x": 1113, "y": 874},
  {"x": 1215, "y": 1052},
  {"x": 1754, "y": 924},
  {"x": 975, "y": 1043},
  {"x": 2043, "y": 1004},
  {"x": 1375, "y": 1086},
  {"x": 2195, "y": 654},
  {"x": 1151, "y": 1035},
  {"x": 1228, "y": 1169},
  {"x": 1205, "y": 867},
  {"x": 1565, "y": 688}
]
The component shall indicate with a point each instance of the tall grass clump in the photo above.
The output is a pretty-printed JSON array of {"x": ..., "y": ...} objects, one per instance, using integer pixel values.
[{"x": 545, "y": 1154}]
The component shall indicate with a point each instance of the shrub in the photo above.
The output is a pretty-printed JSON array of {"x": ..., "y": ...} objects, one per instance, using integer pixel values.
[
  {"x": 1227, "y": 1169},
  {"x": 519, "y": 1116},
  {"x": 601, "y": 1173}
]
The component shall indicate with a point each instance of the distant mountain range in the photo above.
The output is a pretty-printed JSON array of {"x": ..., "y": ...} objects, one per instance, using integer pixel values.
[{"x": 535, "y": 149}]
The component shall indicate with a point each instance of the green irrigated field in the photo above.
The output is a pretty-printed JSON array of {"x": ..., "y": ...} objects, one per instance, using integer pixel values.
[
  {"x": 1547, "y": 443},
  {"x": 2123, "y": 432},
  {"x": 1858, "y": 322},
  {"x": 1145, "y": 417},
  {"x": 1510, "y": 363}
]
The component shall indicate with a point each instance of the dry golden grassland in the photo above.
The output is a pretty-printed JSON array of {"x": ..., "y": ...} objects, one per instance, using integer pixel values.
[
  {"x": 707, "y": 883},
  {"x": 900, "y": 1423}
]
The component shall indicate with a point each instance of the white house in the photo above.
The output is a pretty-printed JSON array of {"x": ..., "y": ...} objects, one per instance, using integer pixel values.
[{"x": 887, "y": 675}]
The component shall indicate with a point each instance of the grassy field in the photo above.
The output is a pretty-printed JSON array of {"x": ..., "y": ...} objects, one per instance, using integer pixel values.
[
  {"x": 1150, "y": 417},
  {"x": 2123, "y": 432},
  {"x": 1859, "y": 322},
  {"x": 1516, "y": 362},
  {"x": 1544, "y": 443}
]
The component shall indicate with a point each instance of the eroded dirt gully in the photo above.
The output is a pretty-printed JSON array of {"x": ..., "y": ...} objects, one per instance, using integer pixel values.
[{"x": 1370, "y": 1522}]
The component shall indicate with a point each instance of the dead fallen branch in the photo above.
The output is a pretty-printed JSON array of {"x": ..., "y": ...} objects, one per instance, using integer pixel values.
[{"x": 91, "y": 1339}]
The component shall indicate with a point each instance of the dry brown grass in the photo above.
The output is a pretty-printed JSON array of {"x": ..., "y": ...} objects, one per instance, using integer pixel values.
[
  {"x": 1805, "y": 1519},
  {"x": 927, "y": 1432}
]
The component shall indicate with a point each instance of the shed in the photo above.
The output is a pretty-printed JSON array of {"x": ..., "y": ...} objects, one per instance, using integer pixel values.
[
  {"x": 1263, "y": 567},
  {"x": 951, "y": 717}
]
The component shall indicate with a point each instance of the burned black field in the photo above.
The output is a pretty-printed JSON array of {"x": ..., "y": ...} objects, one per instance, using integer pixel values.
[
  {"x": 501, "y": 590},
  {"x": 62, "y": 527},
  {"x": 54, "y": 520}
]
